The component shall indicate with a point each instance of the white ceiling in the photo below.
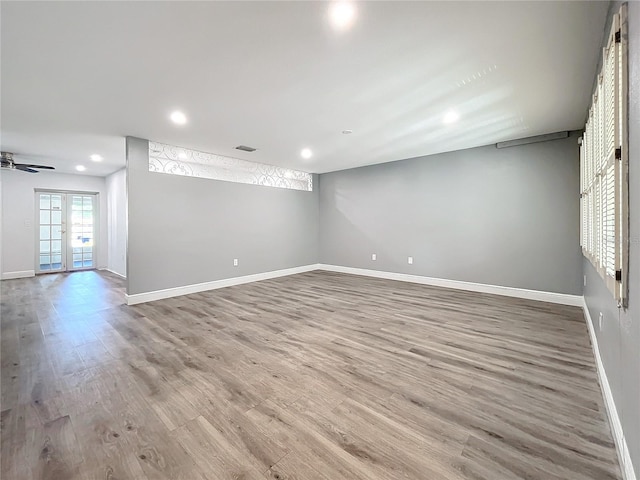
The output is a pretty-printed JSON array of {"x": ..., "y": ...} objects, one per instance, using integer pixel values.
[{"x": 79, "y": 76}]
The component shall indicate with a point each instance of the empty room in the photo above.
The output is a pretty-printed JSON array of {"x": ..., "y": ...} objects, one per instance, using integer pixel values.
[{"x": 305, "y": 240}]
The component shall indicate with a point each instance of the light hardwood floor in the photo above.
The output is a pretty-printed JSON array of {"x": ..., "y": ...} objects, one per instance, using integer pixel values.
[{"x": 313, "y": 376}]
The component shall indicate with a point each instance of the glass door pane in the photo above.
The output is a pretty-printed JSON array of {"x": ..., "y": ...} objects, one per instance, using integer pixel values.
[
  {"x": 66, "y": 231},
  {"x": 50, "y": 257},
  {"x": 82, "y": 221}
]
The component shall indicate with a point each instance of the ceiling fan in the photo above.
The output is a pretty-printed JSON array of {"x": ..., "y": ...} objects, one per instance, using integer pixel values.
[{"x": 8, "y": 163}]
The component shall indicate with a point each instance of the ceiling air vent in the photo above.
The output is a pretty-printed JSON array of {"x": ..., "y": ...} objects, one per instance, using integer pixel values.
[{"x": 244, "y": 148}]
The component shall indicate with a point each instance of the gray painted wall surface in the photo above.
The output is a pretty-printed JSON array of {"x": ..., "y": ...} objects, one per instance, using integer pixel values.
[
  {"x": 185, "y": 230},
  {"x": 505, "y": 217},
  {"x": 619, "y": 339}
]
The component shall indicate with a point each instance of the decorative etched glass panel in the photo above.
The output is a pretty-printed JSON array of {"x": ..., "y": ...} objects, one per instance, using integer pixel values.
[{"x": 181, "y": 161}]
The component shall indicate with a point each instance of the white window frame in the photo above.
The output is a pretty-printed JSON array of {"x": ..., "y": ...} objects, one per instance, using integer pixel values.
[{"x": 604, "y": 160}]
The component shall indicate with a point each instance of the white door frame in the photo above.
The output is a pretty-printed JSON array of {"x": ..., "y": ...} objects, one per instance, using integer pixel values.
[
  {"x": 67, "y": 249},
  {"x": 63, "y": 241}
]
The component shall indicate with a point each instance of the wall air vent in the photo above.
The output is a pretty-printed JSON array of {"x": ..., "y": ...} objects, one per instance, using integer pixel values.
[{"x": 244, "y": 148}]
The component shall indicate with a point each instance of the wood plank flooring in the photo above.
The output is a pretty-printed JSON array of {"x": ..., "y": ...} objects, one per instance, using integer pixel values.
[{"x": 314, "y": 376}]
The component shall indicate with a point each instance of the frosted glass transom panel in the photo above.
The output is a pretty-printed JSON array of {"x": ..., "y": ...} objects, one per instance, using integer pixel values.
[{"x": 191, "y": 163}]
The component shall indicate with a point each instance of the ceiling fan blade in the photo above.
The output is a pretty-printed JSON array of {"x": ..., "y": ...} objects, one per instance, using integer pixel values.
[
  {"x": 24, "y": 168},
  {"x": 28, "y": 165}
]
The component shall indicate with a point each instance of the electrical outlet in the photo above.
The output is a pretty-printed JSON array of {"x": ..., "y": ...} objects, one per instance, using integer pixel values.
[
  {"x": 27, "y": 223},
  {"x": 374, "y": 256},
  {"x": 600, "y": 321},
  {"x": 410, "y": 260},
  {"x": 585, "y": 280},
  {"x": 235, "y": 262}
]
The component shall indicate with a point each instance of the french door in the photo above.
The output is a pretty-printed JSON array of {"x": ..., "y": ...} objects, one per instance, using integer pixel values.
[{"x": 67, "y": 231}]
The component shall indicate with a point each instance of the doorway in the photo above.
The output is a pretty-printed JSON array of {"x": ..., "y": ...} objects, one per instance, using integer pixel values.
[{"x": 66, "y": 237}]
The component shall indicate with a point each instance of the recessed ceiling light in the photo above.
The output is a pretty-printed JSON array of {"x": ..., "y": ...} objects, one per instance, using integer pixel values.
[
  {"x": 306, "y": 153},
  {"x": 347, "y": 132},
  {"x": 450, "y": 117},
  {"x": 81, "y": 168},
  {"x": 342, "y": 15},
  {"x": 96, "y": 158},
  {"x": 178, "y": 118}
]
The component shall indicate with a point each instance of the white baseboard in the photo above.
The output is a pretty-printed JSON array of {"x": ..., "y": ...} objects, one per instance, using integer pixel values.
[
  {"x": 201, "y": 287},
  {"x": 113, "y": 271},
  {"x": 22, "y": 274},
  {"x": 551, "y": 297},
  {"x": 564, "y": 299},
  {"x": 626, "y": 465}
]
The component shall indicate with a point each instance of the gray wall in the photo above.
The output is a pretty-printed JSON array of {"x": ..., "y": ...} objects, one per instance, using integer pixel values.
[
  {"x": 117, "y": 221},
  {"x": 186, "y": 230},
  {"x": 506, "y": 217},
  {"x": 619, "y": 339}
]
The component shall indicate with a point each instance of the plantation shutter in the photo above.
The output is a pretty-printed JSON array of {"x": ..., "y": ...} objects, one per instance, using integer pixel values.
[{"x": 603, "y": 167}]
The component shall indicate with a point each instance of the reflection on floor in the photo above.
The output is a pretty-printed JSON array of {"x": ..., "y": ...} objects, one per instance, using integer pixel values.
[{"x": 313, "y": 376}]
